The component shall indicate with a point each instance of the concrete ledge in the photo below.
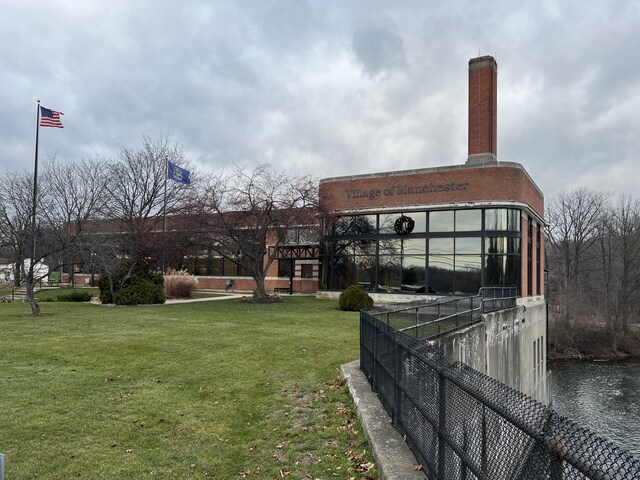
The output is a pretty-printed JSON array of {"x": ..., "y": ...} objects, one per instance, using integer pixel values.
[{"x": 393, "y": 458}]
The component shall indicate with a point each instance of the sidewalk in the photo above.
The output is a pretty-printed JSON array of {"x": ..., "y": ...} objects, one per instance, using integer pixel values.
[{"x": 205, "y": 299}]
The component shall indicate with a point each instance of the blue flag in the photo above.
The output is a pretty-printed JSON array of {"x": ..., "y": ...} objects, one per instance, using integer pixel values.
[{"x": 178, "y": 174}]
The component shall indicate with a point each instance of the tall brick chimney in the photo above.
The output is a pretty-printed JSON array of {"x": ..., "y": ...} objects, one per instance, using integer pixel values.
[{"x": 483, "y": 115}]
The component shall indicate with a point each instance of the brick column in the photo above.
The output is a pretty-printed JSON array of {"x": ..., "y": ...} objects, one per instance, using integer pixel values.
[{"x": 483, "y": 114}]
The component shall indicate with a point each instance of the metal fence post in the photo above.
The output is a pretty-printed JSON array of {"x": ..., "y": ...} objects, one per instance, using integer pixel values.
[
  {"x": 442, "y": 425},
  {"x": 557, "y": 468},
  {"x": 1, "y": 466}
]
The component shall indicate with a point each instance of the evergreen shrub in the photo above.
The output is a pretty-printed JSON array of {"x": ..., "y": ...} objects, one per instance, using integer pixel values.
[
  {"x": 75, "y": 296},
  {"x": 355, "y": 298},
  {"x": 142, "y": 287}
]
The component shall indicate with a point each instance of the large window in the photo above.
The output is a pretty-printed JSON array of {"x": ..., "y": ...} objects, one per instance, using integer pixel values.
[{"x": 444, "y": 251}]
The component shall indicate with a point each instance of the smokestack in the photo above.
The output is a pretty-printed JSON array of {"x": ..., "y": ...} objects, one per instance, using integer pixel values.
[{"x": 483, "y": 115}]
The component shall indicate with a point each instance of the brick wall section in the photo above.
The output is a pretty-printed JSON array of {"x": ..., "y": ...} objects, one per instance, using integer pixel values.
[
  {"x": 483, "y": 105},
  {"x": 436, "y": 186},
  {"x": 524, "y": 261}
]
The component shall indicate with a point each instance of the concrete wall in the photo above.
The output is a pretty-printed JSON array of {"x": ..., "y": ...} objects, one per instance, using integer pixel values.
[{"x": 508, "y": 345}]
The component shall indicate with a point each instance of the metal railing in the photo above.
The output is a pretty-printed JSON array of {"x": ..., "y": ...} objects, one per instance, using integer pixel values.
[
  {"x": 461, "y": 424},
  {"x": 431, "y": 319}
]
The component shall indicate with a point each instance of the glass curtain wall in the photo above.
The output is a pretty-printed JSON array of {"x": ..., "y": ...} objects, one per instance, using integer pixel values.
[{"x": 440, "y": 252}]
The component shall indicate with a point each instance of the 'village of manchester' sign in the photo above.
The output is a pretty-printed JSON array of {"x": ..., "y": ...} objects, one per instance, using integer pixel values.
[{"x": 407, "y": 190}]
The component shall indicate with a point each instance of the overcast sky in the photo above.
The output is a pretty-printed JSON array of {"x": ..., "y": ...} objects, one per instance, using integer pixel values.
[{"x": 327, "y": 87}]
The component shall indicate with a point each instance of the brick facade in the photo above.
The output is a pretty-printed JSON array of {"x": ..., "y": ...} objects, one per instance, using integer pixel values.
[{"x": 470, "y": 184}]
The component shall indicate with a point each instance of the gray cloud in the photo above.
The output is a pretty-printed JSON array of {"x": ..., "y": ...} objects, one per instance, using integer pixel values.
[
  {"x": 379, "y": 49},
  {"x": 327, "y": 88}
]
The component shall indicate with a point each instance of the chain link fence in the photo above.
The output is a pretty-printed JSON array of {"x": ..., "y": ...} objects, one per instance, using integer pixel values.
[{"x": 461, "y": 424}]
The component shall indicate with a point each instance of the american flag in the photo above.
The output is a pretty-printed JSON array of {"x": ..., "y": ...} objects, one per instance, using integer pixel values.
[{"x": 50, "y": 118}]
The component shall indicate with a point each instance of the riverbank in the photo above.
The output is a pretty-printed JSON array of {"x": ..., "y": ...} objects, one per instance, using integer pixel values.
[{"x": 592, "y": 343}]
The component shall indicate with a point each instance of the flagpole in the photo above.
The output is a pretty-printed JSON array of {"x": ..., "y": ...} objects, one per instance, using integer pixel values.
[
  {"x": 164, "y": 211},
  {"x": 35, "y": 185}
]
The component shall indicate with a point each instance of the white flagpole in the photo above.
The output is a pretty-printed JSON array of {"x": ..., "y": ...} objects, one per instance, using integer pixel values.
[{"x": 35, "y": 186}]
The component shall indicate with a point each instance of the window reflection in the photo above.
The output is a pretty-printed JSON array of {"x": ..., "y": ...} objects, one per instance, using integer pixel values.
[
  {"x": 420, "y": 219},
  {"x": 387, "y": 221},
  {"x": 468, "y": 220},
  {"x": 440, "y": 246},
  {"x": 355, "y": 225},
  {"x": 468, "y": 245},
  {"x": 502, "y": 245},
  {"x": 440, "y": 274},
  {"x": 456, "y": 264},
  {"x": 502, "y": 219},
  {"x": 468, "y": 270},
  {"x": 390, "y": 273},
  {"x": 514, "y": 220},
  {"x": 441, "y": 221},
  {"x": 495, "y": 219}
]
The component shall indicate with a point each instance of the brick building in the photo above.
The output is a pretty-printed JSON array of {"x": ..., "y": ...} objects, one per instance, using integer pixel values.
[{"x": 441, "y": 230}]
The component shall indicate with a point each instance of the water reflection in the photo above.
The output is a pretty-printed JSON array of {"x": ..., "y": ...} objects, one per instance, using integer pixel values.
[{"x": 603, "y": 396}]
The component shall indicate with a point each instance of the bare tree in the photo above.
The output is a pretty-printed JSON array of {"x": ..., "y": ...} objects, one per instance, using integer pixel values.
[
  {"x": 136, "y": 198},
  {"x": 68, "y": 197},
  {"x": 249, "y": 210},
  {"x": 16, "y": 227},
  {"x": 618, "y": 279},
  {"x": 574, "y": 220},
  {"x": 76, "y": 195}
]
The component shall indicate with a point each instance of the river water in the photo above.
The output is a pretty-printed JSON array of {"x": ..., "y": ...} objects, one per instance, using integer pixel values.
[{"x": 602, "y": 396}]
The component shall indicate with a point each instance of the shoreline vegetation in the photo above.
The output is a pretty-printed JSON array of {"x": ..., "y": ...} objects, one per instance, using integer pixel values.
[{"x": 591, "y": 342}]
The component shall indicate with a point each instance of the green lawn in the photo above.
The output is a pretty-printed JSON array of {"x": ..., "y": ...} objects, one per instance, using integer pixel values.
[{"x": 218, "y": 389}]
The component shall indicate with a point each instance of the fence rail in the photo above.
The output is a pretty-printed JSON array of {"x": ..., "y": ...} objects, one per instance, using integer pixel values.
[
  {"x": 462, "y": 424},
  {"x": 433, "y": 318}
]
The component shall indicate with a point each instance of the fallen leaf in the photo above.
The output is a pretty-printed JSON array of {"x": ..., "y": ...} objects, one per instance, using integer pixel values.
[{"x": 284, "y": 471}]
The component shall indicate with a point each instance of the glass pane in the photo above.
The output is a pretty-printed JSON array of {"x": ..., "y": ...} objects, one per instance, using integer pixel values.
[
  {"x": 513, "y": 245},
  {"x": 414, "y": 246},
  {"x": 413, "y": 270},
  {"x": 502, "y": 245},
  {"x": 390, "y": 247},
  {"x": 495, "y": 270},
  {"x": 468, "y": 245},
  {"x": 468, "y": 220},
  {"x": 355, "y": 247},
  {"x": 495, "y": 219},
  {"x": 343, "y": 272},
  {"x": 440, "y": 274},
  {"x": 495, "y": 245},
  {"x": 441, "y": 221},
  {"x": 216, "y": 267},
  {"x": 356, "y": 225},
  {"x": 230, "y": 268},
  {"x": 513, "y": 271},
  {"x": 284, "y": 268},
  {"x": 514, "y": 220},
  {"x": 467, "y": 276},
  {"x": 387, "y": 221},
  {"x": 389, "y": 273},
  {"x": 308, "y": 235},
  {"x": 365, "y": 270},
  {"x": 438, "y": 246},
  {"x": 420, "y": 219},
  {"x": 306, "y": 270}
]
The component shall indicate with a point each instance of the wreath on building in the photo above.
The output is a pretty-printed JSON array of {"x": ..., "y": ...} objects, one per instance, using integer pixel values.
[{"x": 404, "y": 225}]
